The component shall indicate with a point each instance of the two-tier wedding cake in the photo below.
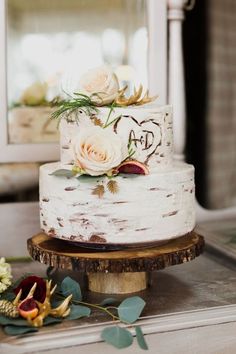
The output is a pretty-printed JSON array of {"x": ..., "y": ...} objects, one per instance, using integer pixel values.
[{"x": 116, "y": 182}]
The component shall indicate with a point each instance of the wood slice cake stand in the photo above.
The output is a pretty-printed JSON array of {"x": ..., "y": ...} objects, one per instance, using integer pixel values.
[{"x": 115, "y": 272}]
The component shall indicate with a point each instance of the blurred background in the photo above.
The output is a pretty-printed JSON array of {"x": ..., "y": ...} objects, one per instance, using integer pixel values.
[
  {"x": 210, "y": 71},
  {"x": 52, "y": 43},
  {"x": 49, "y": 45}
]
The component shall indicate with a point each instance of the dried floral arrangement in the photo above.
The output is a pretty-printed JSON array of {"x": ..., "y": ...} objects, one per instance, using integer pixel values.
[
  {"x": 99, "y": 151},
  {"x": 33, "y": 302}
]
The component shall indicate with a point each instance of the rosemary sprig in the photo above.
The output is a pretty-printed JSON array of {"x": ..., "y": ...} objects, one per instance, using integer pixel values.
[
  {"x": 110, "y": 123},
  {"x": 131, "y": 151},
  {"x": 109, "y": 114},
  {"x": 85, "y": 103}
]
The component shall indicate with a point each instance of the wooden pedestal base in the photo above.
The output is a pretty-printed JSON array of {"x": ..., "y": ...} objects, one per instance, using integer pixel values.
[
  {"x": 117, "y": 283},
  {"x": 115, "y": 272}
]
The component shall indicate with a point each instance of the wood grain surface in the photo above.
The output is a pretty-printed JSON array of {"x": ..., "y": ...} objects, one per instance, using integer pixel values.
[{"x": 62, "y": 254}]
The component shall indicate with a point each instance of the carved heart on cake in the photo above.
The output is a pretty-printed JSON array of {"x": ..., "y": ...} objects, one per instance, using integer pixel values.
[{"x": 144, "y": 136}]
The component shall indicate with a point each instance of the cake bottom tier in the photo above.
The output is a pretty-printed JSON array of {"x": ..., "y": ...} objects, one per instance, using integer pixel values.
[{"x": 151, "y": 208}]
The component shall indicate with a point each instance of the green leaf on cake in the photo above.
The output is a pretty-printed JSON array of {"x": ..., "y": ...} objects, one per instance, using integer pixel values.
[
  {"x": 117, "y": 336},
  {"x": 130, "y": 309},
  {"x": 75, "y": 102},
  {"x": 140, "y": 338},
  {"x": 63, "y": 173},
  {"x": 70, "y": 286},
  {"x": 78, "y": 311},
  {"x": 88, "y": 179}
]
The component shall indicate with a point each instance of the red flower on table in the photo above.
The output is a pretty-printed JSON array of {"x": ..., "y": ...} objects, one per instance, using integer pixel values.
[{"x": 27, "y": 283}]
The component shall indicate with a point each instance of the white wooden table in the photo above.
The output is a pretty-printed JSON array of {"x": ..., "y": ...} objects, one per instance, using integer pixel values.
[{"x": 190, "y": 308}]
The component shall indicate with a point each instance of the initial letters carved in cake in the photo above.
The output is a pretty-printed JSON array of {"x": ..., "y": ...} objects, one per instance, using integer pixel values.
[{"x": 146, "y": 135}]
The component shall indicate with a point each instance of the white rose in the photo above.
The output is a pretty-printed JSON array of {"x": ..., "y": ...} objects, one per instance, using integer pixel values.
[
  {"x": 101, "y": 81},
  {"x": 98, "y": 150},
  {"x": 34, "y": 94}
]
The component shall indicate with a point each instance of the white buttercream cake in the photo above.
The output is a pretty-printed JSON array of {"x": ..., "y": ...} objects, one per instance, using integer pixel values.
[{"x": 116, "y": 182}]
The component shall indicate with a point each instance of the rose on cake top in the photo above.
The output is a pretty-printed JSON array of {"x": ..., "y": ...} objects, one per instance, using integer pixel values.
[
  {"x": 99, "y": 87},
  {"x": 100, "y": 84}
]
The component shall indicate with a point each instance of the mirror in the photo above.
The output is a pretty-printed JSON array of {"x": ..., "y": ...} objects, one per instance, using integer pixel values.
[
  {"x": 45, "y": 46},
  {"x": 51, "y": 43}
]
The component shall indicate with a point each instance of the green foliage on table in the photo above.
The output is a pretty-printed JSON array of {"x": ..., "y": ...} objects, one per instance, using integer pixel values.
[
  {"x": 130, "y": 309},
  {"x": 70, "y": 286},
  {"x": 117, "y": 336},
  {"x": 127, "y": 312}
]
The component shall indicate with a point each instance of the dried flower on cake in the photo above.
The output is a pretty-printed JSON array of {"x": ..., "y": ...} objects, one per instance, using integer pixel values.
[
  {"x": 138, "y": 98},
  {"x": 113, "y": 186},
  {"x": 5, "y": 275},
  {"x": 99, "y": 191}
]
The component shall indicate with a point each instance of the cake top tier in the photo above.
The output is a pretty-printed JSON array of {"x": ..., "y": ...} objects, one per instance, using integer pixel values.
[
  {"x": 105, "y": 130},
  {"x": 141, "y": 134}
]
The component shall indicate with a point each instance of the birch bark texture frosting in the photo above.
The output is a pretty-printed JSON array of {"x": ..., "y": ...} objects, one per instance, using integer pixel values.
[
  {"x": 148, "y": 128},
  {"x": 90, "y": 197},
  {"x": 159, "y": 206},
  {"x": 156, "y": 207}
]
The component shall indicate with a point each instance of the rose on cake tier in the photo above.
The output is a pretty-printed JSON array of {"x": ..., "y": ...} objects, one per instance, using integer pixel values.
[{"x": 97, "y": 151}]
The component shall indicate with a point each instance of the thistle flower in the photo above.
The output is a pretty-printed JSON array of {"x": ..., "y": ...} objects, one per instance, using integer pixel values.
[{"x": 5, "y": 275}]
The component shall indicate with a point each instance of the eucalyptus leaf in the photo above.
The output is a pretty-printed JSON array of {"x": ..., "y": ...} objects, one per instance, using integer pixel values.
[
  {"x": 130, "y": 309},
  {"x": 63, "y": 173},
  {"x": 140, "y": 338},
  {"x": 108, "y": 301},
  {"x": 4, "y": 321},
  {"x": 70, "y": 286},
  {"x": 78, "y": 311},
  {"x": 14, "y": 331},
  {"x": 50, "y": 270},
  {"x": 51, "y": 320},
  {"x": 117, "y": 336},
  {"x": 55, "y": 302}
]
